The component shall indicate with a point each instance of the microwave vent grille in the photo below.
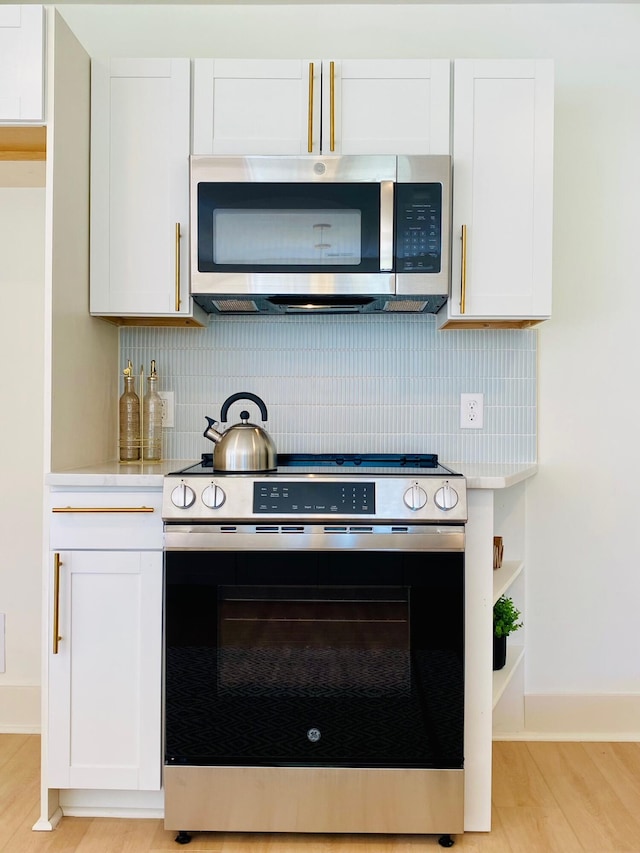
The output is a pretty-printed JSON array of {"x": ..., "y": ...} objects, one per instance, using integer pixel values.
[
  {"x": 405, "y": 305},
  {"x": 314, "y": 304},
  {"x": 235, "y": 306}
]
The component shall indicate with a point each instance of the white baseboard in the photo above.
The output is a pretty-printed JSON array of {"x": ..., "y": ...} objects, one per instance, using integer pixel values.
[
  {"x": 586, "y": 717},
  {"x": 19, "y": 709},
  {"x": 47, "y": 824},
  {"x": 128, "y": 814},
  {"x": 112, "y": 803}
]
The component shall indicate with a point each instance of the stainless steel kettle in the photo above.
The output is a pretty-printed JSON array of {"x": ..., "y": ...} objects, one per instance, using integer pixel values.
[{"x": 243, "y": 446}]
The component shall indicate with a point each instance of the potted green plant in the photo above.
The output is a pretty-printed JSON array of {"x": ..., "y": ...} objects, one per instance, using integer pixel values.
[{"x": 505, "y": 622}]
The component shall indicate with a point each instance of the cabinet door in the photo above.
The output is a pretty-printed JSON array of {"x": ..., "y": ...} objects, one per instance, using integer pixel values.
[
  {"x": 393, "y": 106},
  {"x": 502, "y": 190},
  {"x": 21, "y": 64},
  {"x": 105, "y": 675},
  {"x": 300, "y": 107},
  {"x": 244, "y": 107},
  {"x": 140, "y": 119}
]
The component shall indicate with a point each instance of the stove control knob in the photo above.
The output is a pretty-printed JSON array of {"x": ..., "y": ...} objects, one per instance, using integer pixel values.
[
  {"x": 213, "y": 496},
  {"x": 415, "y": 497},
  {"x": 183, "y": 496},
  {"x": 446, "y": 497}
]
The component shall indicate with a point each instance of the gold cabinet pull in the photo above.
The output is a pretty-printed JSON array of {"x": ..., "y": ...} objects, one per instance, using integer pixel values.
[
  {"x": 178, "y": 235},
  {"x": 103, "y": 509},
  {"x": 310, "y": 117},
  {"x": 463, "y": 277},
  {"x": 57, "y": 562},
  {"x": 332, "y": 106}
]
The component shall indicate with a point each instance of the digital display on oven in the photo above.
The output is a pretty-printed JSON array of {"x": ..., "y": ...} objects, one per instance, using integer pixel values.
[{"x": 302, "y": 498}]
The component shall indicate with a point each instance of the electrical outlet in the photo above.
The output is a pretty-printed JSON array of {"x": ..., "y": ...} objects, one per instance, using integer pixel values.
[
  {"x": 471, "y": 411},
  {"x": 168, "y": 409}
]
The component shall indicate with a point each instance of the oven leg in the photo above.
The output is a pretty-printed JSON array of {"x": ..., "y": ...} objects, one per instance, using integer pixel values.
[
  {"x": 446, "y": 841},
  {"x": 183, "y": 837}
]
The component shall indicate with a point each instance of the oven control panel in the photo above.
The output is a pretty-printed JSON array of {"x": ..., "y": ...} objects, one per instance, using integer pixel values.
[
  {"x": 296, "y": 498},
  {"x": 426, "y": 499}
]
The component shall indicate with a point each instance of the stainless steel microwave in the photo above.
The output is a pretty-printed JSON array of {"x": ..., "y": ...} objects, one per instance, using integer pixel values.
[{"x": 316, "y": 234}]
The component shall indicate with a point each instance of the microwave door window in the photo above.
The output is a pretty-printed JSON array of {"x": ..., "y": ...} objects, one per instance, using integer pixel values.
[
  {"x": 316, "y": 238},
  {"x": 276, "y": 227}
]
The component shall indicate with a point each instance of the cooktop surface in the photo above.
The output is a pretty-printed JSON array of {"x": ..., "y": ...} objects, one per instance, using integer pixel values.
[{"x": 332, "y": 464}]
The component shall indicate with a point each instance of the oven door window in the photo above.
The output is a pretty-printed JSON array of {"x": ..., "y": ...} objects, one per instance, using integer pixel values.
[
  {"x": 362, "y": 669},
  {"x": 286, "y": 227}
]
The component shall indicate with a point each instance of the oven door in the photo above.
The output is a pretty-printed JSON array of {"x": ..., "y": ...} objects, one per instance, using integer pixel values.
[{"x": 314, "y": 656}]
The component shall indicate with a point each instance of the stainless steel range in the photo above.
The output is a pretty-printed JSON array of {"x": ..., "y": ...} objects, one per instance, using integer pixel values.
[{"x": 314, "y": 647}]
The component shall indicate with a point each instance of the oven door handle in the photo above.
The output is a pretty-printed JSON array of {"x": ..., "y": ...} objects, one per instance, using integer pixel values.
[{"x": 311, "y": 537}]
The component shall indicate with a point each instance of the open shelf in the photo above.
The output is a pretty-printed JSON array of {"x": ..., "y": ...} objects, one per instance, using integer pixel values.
[
  {"x": 505, "y": 576},
  {"x": 502, "y": 677}
]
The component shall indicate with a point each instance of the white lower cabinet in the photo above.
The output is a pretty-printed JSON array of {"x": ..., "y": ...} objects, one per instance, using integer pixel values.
[
  {"x": 105, "y": 670},
  {"x": 103, "y": 641}
]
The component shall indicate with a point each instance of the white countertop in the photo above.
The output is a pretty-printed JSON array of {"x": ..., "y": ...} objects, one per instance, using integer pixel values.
[
  {"x": 124, "y": 475},
  {"x": 483, "y": 475},
  {"x": 149, "y": 475}
]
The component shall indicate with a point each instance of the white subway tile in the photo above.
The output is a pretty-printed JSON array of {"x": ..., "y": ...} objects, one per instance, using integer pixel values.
[{"x": 349, "y": 384}]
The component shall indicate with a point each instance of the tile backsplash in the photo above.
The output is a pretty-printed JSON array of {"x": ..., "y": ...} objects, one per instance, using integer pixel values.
[{"x": 348, "y": 384}]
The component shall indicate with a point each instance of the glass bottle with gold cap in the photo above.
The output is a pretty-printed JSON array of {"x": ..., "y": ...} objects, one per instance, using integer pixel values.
[
  {"x": 152, "y": 419},
  {"x": 129, "y": 418}
]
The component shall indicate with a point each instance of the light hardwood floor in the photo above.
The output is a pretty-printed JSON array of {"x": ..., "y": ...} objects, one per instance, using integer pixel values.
[{"x": 547, "y": 797}]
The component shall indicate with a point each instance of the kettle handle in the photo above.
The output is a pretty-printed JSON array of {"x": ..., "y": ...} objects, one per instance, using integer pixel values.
[{"x": 242, "y": 395}]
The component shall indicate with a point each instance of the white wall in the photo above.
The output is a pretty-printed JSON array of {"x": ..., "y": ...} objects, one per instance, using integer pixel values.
[
  {"x": 585, "y": 536},
  {"x": 21, "y": 449},
  {"x": 583, "y": 577}
]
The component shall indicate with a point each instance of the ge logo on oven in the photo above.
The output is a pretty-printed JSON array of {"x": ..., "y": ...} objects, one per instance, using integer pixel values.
[{"x": 313, "y": 735}]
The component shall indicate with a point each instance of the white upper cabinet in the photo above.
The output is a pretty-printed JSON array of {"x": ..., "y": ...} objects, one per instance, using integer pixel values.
[
  {"x": 255, "y": 106},
  {"x": 140, "y": 131},
  {"x": 21, "y": 64},
  {"x": 244, "y": 107},
  {"x": 502, "y": 193},
  {"x": 386, "y": 106}
]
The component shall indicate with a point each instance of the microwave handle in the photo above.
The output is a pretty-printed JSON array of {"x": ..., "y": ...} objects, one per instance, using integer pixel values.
[{"x": 386, "y": 225}]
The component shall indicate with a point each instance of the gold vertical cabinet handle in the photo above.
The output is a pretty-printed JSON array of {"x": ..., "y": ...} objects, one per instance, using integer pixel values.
[
  {"x": 57, "y": 562},
  {"x": 310, "y": 116},
  {"x": 332, "y": 106},
  {"x": 102, "y": 509},
  {"x": 177, "y": 266},
  {"x": 463, "y": 277}
]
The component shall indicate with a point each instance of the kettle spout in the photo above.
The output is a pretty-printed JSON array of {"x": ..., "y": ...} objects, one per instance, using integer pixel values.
[{"x": 211, "y": 433}]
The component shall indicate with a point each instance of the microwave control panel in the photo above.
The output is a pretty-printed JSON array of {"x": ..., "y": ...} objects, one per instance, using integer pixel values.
[{"x": 418, "y": 241}]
